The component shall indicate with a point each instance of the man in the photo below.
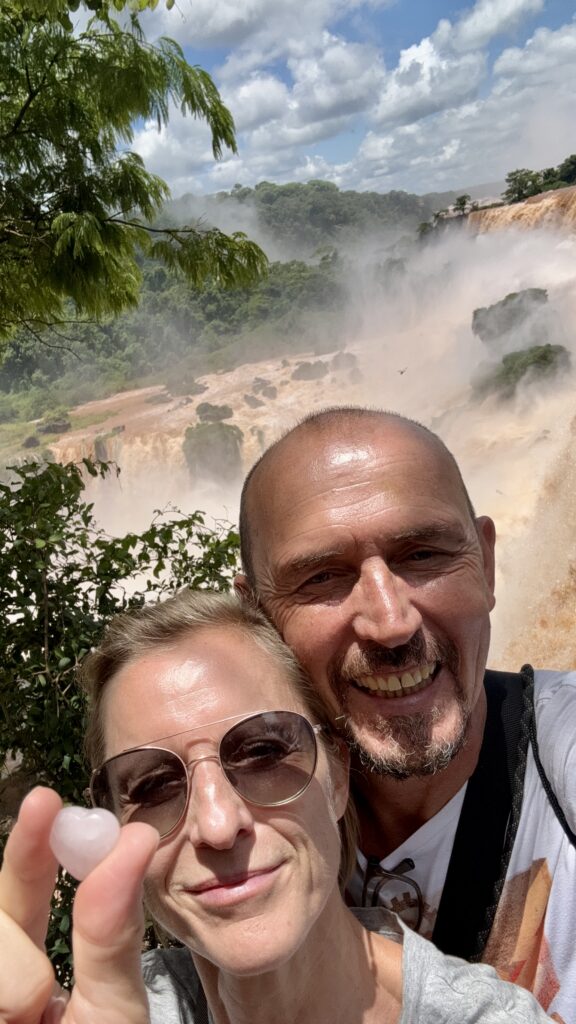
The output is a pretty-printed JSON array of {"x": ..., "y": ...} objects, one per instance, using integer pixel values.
[{"x": 361, "y": 544}]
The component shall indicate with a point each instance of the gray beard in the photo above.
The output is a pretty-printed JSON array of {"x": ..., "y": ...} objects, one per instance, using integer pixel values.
[{"x": 411, "y": 752}]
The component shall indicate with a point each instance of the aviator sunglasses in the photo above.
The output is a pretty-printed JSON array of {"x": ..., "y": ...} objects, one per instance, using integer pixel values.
[{"x": 269, "y": 759}]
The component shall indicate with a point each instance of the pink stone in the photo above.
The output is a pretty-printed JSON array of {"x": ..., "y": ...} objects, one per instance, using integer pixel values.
[{"x": 81, "y": 838}]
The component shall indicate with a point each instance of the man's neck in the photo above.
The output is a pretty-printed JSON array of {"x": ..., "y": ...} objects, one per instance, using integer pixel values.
[{"x": 390, "y": 811}]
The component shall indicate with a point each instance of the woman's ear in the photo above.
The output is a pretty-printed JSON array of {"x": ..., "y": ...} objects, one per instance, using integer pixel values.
[{"x": 340, "y": 776}]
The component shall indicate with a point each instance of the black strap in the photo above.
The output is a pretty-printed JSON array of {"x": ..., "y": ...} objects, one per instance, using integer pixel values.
[
  {"x": 488, "y": 821},
  {"x": 543, "y": 777}
]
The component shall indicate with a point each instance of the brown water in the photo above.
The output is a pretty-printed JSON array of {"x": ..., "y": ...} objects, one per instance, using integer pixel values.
[
  {"x": 416, "y": 354},
  {"x": 556, "y": 209}
]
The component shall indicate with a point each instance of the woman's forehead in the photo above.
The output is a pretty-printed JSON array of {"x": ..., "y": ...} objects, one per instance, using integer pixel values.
[{"x": 198, "y": 680}]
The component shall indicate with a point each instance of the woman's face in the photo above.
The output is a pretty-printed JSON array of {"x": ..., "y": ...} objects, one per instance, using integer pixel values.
[{"x": 239, "y": 884}]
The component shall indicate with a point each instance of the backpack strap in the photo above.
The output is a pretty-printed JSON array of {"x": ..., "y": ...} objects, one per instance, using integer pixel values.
[
  {"x": 553, "y": 799},
  {"x": 488, "y": 820}
]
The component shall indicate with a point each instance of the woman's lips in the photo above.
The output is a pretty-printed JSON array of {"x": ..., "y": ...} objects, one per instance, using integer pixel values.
[{"x": 220, "y": 892}]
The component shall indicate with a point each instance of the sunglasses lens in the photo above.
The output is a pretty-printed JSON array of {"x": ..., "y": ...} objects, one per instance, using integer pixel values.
[
  {"x": 270, "y": 758},
  {"x": 147, "y": 785}
]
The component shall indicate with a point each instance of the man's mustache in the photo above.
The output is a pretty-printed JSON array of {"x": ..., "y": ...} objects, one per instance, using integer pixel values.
[{"x": 374, "y": 659}]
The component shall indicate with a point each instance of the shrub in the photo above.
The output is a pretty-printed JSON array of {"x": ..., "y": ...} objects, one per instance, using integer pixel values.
[
  {"x": 539, "y": 361},
  {"x": 209, "y": 413},
  {"x": 213, "y": 451}
]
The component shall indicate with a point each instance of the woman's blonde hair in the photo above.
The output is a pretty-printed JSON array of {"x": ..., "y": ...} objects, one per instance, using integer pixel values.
[{"x": 134, "y": 633}]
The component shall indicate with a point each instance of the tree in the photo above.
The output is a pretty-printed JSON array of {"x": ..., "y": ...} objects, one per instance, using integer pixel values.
[
  {"x": 462, "y": 203},
  {"x": 61, "y": 579},
  {"x": 521, "y": 184},
  {"x": 566, "y": 171},
  {"x": 76, "y": 207}
]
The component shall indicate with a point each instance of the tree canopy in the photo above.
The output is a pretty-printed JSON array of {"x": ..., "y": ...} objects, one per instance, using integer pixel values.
[
  {"x": 77, "y": 208},
  {"x": 523, "y": 183}
]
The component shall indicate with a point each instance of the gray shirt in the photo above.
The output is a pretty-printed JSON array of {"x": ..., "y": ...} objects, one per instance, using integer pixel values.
[{"x": 437, "y": 989}]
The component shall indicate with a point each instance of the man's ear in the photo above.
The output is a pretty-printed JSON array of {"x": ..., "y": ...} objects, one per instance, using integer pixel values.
[
  {"x": 487, "y": 536},
  {"x": 243, "y": 589}
]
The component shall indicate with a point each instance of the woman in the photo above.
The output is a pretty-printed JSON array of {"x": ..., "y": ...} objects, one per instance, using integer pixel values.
[{"x": 203, "y": 728}]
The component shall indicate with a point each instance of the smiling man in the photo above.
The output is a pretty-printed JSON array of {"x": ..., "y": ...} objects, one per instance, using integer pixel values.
[{"x": 361, "y": 544}]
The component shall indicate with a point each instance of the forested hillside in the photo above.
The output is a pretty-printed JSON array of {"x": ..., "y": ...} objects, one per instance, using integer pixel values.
[
  {"x": 303, "y": 217},
  {"x": 178, "y": 333}
]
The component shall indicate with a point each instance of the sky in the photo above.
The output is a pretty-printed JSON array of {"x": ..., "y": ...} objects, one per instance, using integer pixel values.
[{"x": 419, "y": 95}]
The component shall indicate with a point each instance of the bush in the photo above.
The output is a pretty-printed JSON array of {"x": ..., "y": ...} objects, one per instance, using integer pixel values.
[
  {"x": 489, "y": 323},
  {"x": 541, "y": 361},
  {"x": 213, "y": 451},
  {"x": 310, "y": 371},
  {"x": 209, "y": 413},
  {"x": 61, "y": 579}
]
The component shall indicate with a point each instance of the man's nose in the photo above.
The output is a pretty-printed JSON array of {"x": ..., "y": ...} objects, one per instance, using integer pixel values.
[
  {"x": 381, "y": 606},
  {"x": 216, "y": 814}
]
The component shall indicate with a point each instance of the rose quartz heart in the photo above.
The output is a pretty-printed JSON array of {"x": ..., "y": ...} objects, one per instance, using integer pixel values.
[{"x": 81, "y": 838}]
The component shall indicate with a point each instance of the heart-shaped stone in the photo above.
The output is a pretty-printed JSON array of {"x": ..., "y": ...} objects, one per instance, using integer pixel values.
[{"x": 81, "y": 838}]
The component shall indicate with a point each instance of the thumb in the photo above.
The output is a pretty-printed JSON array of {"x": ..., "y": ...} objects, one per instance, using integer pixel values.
[{"x": 107, "y": 937}]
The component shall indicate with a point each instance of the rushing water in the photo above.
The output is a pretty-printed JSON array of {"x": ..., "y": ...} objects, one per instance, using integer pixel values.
[{"x": 417, "y": 354}]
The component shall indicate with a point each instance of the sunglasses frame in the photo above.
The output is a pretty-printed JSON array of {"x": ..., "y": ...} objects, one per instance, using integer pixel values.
[{"x": 314, "y": 731}]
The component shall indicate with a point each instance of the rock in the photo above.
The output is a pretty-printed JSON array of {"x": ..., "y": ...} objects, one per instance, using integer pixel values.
[
  {"x": 310, "y": 371},
  {"x": 252, "y": 401},
  {"x": 208, "y": 413},
  {"x": 490, "y": 323}
]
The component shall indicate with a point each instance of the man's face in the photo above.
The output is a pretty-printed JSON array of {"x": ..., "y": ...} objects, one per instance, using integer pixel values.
[{"x": 367, "y": 560}]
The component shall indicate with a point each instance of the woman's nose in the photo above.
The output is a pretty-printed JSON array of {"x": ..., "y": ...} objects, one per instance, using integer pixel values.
[
  {"x": 216, "y": 814},
  {"x": 381, "y": 607}
]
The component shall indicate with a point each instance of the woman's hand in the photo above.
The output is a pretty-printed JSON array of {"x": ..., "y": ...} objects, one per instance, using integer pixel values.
[{"x": 108, "y": 922}]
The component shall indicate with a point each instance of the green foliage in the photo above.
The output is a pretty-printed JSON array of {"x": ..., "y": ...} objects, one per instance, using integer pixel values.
[
  {"x": 537, "y": 362},
  {"x": 522, "y": 184},
  {"x": 213, "y": 451},
  {"x": 76, "y": 208},
  {"x": 461, "y": 203},
  {"x": 175, "y": 335},
  {"x": 310, "y": 371},
  {"x": 209, "y": 413},
  {"x": 304, "y": 217},
  {"x": 489, "y": 323},
  {"x": 566, "y": 171},
  {"x": 62, "y": 579}
]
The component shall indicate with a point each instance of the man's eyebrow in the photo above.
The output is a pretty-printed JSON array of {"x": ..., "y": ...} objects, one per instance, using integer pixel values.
[
  {"x": 312, "y": 560},
  {"x": 432, "y": 531},
  {"x": 306, "y": 562}
]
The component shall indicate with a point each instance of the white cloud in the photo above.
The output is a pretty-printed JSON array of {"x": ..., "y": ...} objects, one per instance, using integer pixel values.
[
  {"x": 542, "y": 57},
  {"x": 426, "y": 81},
  {"x": 181, "y": 149},
  {"x": 264, "y": 27},
  {"x": 261, "y": 98},
  {"x": 440, "y": 118},
  {"x": 336, "y": 78},
  {"x": 525, "y": 121},
  {"x": 489, "y": 18}
]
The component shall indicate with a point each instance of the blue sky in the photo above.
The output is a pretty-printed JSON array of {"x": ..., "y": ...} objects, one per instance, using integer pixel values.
[{"x": 421, "y": 95}]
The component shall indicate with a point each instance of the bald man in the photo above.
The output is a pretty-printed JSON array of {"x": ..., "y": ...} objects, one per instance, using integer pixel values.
[{"x": 360, "y": 542}]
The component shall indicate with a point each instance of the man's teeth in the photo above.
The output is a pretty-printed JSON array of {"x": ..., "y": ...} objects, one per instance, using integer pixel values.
[{"x": 398, "y": 684}]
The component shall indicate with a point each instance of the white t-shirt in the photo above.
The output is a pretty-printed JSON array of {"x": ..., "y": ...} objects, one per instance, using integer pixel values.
[{"x": 533, "y": 939}]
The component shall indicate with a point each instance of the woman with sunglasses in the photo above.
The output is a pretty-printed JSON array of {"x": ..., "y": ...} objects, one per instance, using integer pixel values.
[{"x": 217, "y": 757}]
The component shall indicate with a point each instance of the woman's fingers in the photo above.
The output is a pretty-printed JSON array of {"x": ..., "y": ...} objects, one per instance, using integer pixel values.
[
  {"x": 26, "y": 977},
  {"x": 108, "y": 926},
  {"x": 29, "y": 868}
]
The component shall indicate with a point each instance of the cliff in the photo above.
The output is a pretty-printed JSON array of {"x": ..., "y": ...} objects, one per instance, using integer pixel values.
[{"x": 552, "y": 210}]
